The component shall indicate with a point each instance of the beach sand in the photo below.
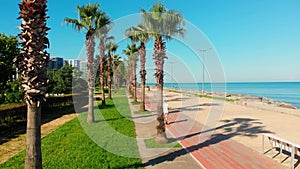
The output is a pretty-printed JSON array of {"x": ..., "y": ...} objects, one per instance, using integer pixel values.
[{"x": 239, "y": 122}]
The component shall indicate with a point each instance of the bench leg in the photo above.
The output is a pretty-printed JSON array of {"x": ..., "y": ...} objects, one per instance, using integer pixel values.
[{"x": 292, "y": 157}]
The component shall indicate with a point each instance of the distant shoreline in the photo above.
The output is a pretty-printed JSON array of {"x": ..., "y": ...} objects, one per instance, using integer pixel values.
[{"x": 280, "y": 94}]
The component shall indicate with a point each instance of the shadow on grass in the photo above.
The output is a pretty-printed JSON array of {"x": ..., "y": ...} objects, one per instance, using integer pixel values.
[{"x": 15, "y": 130}]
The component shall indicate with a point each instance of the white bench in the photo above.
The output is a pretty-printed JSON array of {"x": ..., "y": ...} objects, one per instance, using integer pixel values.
[{"x": 281, "y": 144}]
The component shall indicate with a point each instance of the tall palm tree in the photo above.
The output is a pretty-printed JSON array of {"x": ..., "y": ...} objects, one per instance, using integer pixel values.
[
  {"x": 32, "y": 63},
  {"x": 88, "y": 20},
  {"x": 103, "y": 27},
  {"x": 116, "y": 62},
  {"x": 162, "y": 24},
  {"x": 140, "y": 34},
  {"x": 132, "y": 52},
  {"x": 111, "y": 49}
]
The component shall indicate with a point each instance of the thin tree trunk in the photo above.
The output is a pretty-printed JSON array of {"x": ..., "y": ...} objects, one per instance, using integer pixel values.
[
  {"x": 134, "y": 81},
  {"x": 102, "y": 72},
  {"x": 109, "y": 75},
  {"x": 33, "y": 137},
  {"x": 159, "y": 56},
  {"x": 142, "y": 52}
]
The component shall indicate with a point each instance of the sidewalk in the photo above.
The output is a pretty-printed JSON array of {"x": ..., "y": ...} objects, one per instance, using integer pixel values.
[
  {"x": 220, "y": 151},
  {"x": 156, "y": 158}
]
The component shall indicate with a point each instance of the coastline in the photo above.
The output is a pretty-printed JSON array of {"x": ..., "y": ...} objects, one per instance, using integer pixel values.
[{"x": 262, "y": 103}]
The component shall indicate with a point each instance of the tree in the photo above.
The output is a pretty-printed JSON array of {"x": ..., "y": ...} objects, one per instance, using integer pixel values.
[
  {"x": 116, "y": 62},
  {"x": 132, "y": 53},
  {"x": 140, "y": 34},
  {"x": 161, "y": 23},
  {"x": 111, "y": 49},
  {"x": 103, "y": 27},
  {"x": 8, "y": 51},
  {"x": 88, "y": 21},
  {"x": 32, "y": 62},
  {"x": 60, "y": 81}
]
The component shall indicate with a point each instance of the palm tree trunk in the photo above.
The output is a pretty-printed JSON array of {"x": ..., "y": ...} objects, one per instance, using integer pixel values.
[
  {"x": 32, "y": 63},
  {"x": 33, "y": 136},
  {"x": 90, "y": 46},
  {"x": 115, "y": 77},
  {"x": 142, "y": 52},
  {"x": 109, "y": 75},
  {"x": 159, "y": 56},
  {"x": 134, "y": 81},
  {"x": 102, "y": 72}
]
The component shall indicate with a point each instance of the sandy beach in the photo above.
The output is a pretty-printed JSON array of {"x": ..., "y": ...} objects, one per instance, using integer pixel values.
[{"x": 244, "y": 123}]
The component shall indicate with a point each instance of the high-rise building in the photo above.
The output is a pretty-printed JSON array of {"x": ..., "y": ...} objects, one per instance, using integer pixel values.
[
  {"x": 55, "y": 63},
  {"x": 74, "y": 62}
]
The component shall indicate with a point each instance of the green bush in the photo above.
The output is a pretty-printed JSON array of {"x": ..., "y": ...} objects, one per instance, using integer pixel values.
[{"x": 14, "y": 113}]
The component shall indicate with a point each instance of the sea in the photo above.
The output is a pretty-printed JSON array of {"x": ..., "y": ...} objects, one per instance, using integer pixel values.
[{"x": 288, "y": 92}]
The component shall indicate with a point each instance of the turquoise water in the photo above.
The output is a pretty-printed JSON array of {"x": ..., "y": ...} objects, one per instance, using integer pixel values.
[{"x": 283, "y": 91}]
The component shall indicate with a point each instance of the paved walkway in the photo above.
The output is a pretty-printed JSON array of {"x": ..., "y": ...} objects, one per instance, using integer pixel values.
[{"x": 219, "y": 151}]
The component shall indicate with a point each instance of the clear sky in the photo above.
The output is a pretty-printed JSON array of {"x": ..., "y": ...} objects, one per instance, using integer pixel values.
[{"x": 256, "y": 40}]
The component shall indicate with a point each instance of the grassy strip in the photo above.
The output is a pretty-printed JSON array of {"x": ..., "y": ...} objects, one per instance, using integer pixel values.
[
  {"x": 142, "y": 112},
  {"x": 72, "y": 147},
  {"x": 205, "y": 96},
  {"x": 135, "y": 102},
  {"x": 151, "y": 143}
]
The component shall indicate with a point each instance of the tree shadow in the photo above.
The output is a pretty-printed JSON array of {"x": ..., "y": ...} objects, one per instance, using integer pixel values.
[
  {"x": 9, "y": 132},
  {"x": 231, "y": 128}
]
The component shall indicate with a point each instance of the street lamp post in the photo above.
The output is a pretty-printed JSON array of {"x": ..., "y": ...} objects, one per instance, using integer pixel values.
[
  {"x": 203, "y": 51},
  {"x": 172, "y": 63}
]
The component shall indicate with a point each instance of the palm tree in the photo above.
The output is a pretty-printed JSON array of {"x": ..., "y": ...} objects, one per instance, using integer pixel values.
[
  {"x": 111, "y": 49},
  {"x": 132, "y": 52},
  {"x": 116, "y": 62},
  {"x": 103, "y": 28},
  {"x": 140, "y": 34},
  {"x": 32, "y": 63},
  {"x": 88, "y": 20},
  {"x": 161, "y": 23}
]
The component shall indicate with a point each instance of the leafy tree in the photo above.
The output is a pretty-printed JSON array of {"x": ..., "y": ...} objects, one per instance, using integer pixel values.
[
  {"x": 8, "y": 51},
  {"x": 33, "y": 67},
  {"x": 14, "y": 92},
  {"x": 88, "y": 20},
  {"x": 162, "y": 25},
  {"x": 62, "y": 80}
]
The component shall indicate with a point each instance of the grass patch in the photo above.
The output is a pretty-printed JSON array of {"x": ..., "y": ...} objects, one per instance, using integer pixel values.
[
  {"x": 151, "y": 143},
  {"x": 135, "y": 102},
  {"x": 72, "y": 147},
  {"x": 142, "y": 112}
]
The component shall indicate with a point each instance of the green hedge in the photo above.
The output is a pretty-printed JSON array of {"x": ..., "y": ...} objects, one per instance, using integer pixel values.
[{"x": 14, "y": 113}]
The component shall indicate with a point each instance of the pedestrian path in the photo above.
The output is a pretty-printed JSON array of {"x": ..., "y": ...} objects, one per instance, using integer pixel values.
[{"x": 219, "y": 151}]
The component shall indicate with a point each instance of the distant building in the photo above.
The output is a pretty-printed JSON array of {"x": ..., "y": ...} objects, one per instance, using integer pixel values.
[
  {"x": 74, "y": 62},
  {"x": 83, "y": 68},
  {"x": 55, "y": 63}
]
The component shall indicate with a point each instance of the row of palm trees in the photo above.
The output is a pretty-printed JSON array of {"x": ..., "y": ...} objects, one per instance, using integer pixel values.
[
  {"x": 159, "y": 23},
  {"x": 97, "y": 25}
]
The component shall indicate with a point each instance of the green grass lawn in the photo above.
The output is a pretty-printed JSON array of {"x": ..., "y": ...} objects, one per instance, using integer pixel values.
[
  {"x": 80, "y": 145},
  {"x": 142, "y": 112}
]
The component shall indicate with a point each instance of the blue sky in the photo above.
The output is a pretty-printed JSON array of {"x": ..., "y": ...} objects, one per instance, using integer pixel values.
[{"x": 255, "y": 40}]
